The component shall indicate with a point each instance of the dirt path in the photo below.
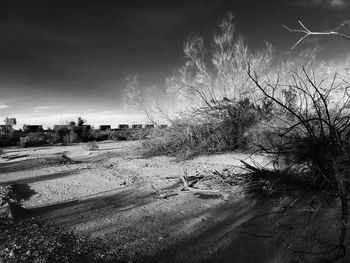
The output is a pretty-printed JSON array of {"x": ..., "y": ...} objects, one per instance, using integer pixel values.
[{"x": 115, "y": 193}]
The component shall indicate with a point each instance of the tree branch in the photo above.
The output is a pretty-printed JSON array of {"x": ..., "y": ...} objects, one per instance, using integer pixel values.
[{"x": 308, "y": 33}]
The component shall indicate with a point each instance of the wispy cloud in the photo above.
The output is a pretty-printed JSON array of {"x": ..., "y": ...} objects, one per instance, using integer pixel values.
[
  {"x": 108, "y": 112},
  {"x": 3, "y": 106},
  {"x": 327, "y": 4},
  {"x": 44, "y": 107}
]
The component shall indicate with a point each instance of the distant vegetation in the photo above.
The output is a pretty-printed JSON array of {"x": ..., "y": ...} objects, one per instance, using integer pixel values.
[{"x": 74, "y": 132}]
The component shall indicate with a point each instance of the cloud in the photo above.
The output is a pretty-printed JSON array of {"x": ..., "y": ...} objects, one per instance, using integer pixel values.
[
  {"x": 44, "y": 107},
  {"x": 108, "y": 112},
  {"x": 3, "y": 106},
  {"x": 326, "y": 4}
]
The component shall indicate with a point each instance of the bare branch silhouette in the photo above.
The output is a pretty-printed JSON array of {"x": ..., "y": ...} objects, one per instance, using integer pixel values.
[
  {"x": 307, "y": 32},
  {"x": 312, "y": 122}
]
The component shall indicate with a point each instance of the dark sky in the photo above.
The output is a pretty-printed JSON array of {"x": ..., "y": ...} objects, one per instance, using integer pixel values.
[{"x": 60, "y": 59}]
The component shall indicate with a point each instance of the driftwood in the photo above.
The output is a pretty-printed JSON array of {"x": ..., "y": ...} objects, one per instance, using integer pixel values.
[{"x": 187, "y": 187}]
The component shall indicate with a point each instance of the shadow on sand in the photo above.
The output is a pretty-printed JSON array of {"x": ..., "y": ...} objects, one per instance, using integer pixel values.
[
  {"x": 250, "y": 229},
  {"x": 45, "y": 177},
  {"x": 23, "y": 191}
]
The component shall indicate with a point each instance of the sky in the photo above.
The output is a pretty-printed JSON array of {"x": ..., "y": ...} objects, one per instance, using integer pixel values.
[{"x": 64, "y": 59}]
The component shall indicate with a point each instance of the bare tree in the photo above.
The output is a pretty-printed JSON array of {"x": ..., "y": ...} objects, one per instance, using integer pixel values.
[
  {"x": 210, "y": 76},
  {"x": 10, "y": 122}
]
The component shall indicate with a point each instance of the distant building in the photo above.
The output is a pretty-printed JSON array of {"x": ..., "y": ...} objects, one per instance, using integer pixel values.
[
  {"x": 163, "y": 126},
  {"x": 32, "y": 128},
  {"x": 136, "y": 126},
  {"x": 149, "y": 126},
  {"x": 105, "y": 127},
  {"x": 87, "y": 127},
  {"x": 123, "y": 126}
]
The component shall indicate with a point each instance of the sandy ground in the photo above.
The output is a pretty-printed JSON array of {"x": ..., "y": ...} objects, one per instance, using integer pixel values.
[{"x": 116, "y": 194}]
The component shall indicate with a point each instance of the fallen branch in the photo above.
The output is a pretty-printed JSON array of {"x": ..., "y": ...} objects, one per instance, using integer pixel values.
[
  {"x": 164, "y": 194},
  {"x": 192, "y": 189}
]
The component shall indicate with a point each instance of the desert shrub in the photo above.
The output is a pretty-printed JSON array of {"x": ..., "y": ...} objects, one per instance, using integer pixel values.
[
  {"x": 312, "y": 135},
  {"x": 309, "y": 122},
  {"x": 217, "y": 99},
  {"x": 222, "y": 128},
  {"x": 129, "y": 134},
  {"x": 91, "y": 146},
  {"x": 60, "y": 134},
  {"x": 121, "y": 135},
  {"x": 98, "y": 135},
  {"x": 71, "y": 137},
  {"x": 73, "y": 132},
  {"x": 9, "y": 138},
  {"x": 140, "y": 134},
  {"x": 35, "y": 139}
]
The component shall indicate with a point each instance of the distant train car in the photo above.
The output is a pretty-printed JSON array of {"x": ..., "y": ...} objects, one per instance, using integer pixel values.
[
  {"x": 32, "y": 128},
  {"x": 105, "y": 127},
  {"x": 123, "y": 126},
  {"x": 149, "y": 126},
  {"x": 136, "y": 126}
]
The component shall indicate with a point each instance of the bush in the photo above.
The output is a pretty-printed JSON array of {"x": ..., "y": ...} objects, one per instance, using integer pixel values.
[
  {"x": 97, "y": 135},
  {"x": 9, "y": 138},
  {"x": 129, "y": 134},
  {"x": 35, "y": 139},
  {"x": 312, "y": 138},
  {"x": 219, "y": 129},
  {"x": 60, "y": 134}
]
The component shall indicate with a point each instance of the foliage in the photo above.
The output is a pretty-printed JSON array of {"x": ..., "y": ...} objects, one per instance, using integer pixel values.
[
  {"x": 9, "y": 137},
  {"x": 10, "y": 122},
  {"x": 211, "y": 76},
  {"x": 97, "y": 135},
  {"x": 73, "y": 132},
  {"x": 221, "y": 129},
  {"x": 61, "y": 133},
  {"x": 217, "y": 97},
  {"x": 35, "y": 139},
  {"x": 129, "y": 134}
]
